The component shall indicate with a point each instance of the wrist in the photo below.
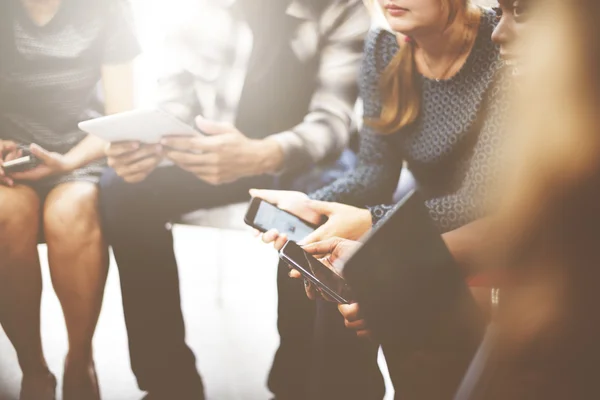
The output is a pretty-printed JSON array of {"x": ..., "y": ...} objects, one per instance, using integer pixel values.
[
  {"x": 367, "y": 219},
  {"x": 270, "y": 156},
  {"x": 69, "y": 163},
  {"x": 361, "y": 225}
]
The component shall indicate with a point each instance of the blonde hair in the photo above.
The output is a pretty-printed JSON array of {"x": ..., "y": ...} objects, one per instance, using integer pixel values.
[{"x": 399, "y": 88}]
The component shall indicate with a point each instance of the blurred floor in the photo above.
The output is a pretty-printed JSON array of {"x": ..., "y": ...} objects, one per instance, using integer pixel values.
[{"x": 234, "y": 337}]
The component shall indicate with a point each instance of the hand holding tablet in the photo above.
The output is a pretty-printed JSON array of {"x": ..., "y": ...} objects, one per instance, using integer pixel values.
[
  {"x": 142, "y": 128},
  {"x": 143, "y": 125}
]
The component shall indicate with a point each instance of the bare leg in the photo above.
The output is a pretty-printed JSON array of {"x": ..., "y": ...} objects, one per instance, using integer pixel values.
[
  {"x": 21, "y": 287},
  {"x": 78, "y": 258}
]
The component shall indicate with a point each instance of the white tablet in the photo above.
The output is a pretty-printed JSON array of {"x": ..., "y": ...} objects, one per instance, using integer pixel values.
[{"x": 144, "y": 125}]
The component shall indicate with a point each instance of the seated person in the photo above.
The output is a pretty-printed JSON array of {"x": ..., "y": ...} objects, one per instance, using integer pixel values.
[
  {"x": 513, "y": 14},
  {"x": 275, "y": 86},
  {"x": 337, "y": 250},
  {"x": 441, "y": 114},
  {"x": 54, "y": 56}
]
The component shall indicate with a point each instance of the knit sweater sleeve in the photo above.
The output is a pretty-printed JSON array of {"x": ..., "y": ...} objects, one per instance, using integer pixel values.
[{"x": 376, "y": 175}]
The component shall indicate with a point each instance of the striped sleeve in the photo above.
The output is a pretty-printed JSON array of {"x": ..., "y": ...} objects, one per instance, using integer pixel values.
[{"x": 326, "y": 129}]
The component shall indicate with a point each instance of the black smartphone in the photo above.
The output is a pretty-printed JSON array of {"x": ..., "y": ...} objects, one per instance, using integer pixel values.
[
  {"x": 24, "y": 163},
  {"x": 316, "y": 272},
  {"x": 264, "y": 216}
]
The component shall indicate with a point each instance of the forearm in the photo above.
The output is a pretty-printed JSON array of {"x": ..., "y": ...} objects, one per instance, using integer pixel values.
[
  {"x": 119, "y": 97},
  {"x": 321, "y": 136},
  {"x": 88, "y": 150},
  {"x": 375, "y": 178},
  {"x": 269, "y": 156},
  {"x": 363, "y": 186}
]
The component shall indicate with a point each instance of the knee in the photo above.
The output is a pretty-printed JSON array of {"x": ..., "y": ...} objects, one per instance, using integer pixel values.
[
  {"x": 73, "y": 216},
  {"x": 19, "y": 214}
]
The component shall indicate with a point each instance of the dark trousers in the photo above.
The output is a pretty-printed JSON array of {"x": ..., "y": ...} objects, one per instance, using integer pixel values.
[
  {"x": 318, "y": 358},
  {"x": 135, "y": 218}
]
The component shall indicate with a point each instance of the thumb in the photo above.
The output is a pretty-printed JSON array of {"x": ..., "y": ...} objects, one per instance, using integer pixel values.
[
  {"x": 270, "y": 196},
  {"x": 47, "y": 157},
  {"x": 317, "y": 236},
  {"x": 213, "y": 127},
  {"x": 325, "y": 247},
  {"x": 321, "y": 207},
  {"x": 7, "y": 146}
]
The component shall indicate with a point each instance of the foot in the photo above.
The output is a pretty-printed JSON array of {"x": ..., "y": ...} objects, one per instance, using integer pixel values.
[
  {"x": 178, "y": 393},
  {"x": 80, "y": 381},
  {"x": 152, "y": 396},
  {"x": 40, "y": 386}
]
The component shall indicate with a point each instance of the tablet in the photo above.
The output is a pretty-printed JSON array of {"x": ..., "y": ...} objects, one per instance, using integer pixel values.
[{"x": 143, "y": 125}]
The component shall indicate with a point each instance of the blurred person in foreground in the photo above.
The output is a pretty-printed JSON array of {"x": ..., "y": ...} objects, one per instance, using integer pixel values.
[
  {"x": 547, "y": 326},
  {"x": 271, "y": 84},
  {"x": 54, "y": 56}
]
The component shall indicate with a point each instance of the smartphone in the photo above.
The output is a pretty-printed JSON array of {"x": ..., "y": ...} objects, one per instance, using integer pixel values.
[
  {"x": 24, "y": 163},
  {"x": 265, "y": 216},
  {"x": 316, "y": 272}
]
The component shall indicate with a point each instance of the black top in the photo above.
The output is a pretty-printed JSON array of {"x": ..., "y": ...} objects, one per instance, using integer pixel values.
[
  {"x": 448, "y": 149},
  {"x": 50, "y": 75}
]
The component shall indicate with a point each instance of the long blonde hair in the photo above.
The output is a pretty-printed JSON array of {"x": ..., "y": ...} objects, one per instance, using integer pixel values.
[{"x": 399, "y": 87}]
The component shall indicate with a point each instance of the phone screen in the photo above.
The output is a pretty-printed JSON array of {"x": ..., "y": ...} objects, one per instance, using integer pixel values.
[
  {"x": 321, "y": 275},
  {"x": 270, "y": 217}
]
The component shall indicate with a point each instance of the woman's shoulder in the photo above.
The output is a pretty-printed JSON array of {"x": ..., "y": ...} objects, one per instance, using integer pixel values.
[{"x": 381, "y": 46}]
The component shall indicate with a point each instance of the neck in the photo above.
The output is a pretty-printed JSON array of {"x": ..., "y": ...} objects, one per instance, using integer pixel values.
[{"x": 444, "y": 41}]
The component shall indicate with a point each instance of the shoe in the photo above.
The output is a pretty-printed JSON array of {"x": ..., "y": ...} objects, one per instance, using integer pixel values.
[{"x": 38, "y": 387}]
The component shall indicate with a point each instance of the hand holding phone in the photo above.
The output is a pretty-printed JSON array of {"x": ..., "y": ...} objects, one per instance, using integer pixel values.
[
  {"x": 8, "y": 151},
  {"x": 265, "y": 216},
  {"x": 25, "y": 162},
  {"x": 324, "y": 278}
]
